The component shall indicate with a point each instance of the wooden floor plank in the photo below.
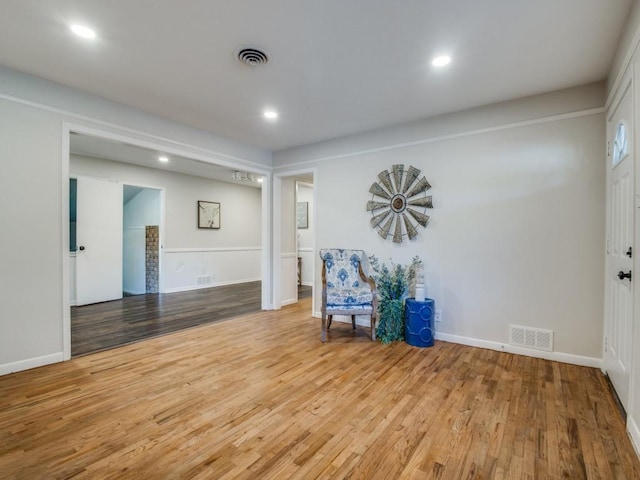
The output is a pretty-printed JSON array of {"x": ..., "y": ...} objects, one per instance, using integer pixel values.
[
  {"x": 105, "y": 325},
  {"x": 260, "y": 396}
]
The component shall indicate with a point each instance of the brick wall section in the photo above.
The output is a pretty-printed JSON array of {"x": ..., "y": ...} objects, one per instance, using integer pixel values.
[{"x": 151, "y": 258}]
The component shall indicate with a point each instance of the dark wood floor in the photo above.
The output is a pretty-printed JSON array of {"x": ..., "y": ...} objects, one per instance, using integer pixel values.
[
  {"x": 304, "y": 292},
  {"x": 106, "y": 325},
  {"x": 261, "y": 397}
]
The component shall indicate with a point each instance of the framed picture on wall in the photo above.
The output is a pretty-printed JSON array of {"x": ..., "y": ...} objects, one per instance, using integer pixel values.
[
  {"x": 302, "y": 215},
  {"x": 208, "y": 214}
]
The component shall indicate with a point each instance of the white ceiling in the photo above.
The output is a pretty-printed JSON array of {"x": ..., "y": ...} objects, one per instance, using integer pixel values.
[
  {"x": 337, "y": 66},
  {"x": 97, "y": 147}
]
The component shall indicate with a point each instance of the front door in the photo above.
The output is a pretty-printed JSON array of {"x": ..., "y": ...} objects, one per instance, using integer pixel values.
[
  {"x": 620, "y": 278},
  {"x": 99, "y": 240}
]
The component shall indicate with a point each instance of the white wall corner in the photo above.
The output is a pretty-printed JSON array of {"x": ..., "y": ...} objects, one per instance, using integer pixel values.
[
  {"x": 634, "y": 434},
  {"x": 30, "y": 363},
  {"x": 289, "y": 301}
]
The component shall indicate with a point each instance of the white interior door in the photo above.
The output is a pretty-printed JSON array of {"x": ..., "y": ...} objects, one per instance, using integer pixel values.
[
  {"x": 619, "y": 280},
  {"x": 99, "y": 240}
]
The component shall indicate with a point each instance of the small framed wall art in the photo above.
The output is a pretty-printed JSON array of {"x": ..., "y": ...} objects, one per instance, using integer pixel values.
[{"x": 208, "y": 215}]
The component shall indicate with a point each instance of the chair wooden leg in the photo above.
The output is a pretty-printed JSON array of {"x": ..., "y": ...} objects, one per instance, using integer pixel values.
[
  {"x": 330, "y": 318},
  {"x": 353, "y": 321},
  {"x": 323, "y": 331},
  {"x": 373, "y": 328}
]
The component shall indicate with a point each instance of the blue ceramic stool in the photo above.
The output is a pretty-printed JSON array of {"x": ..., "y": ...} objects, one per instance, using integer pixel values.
[{"x": 418, "y": 322}]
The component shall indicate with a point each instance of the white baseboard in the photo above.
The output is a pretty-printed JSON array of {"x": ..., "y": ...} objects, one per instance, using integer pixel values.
[
  {"x": 209, "y": 285},
  {"x": 289, "y": 301},
  {"x": 634, "y": 433},
  {"x": 500, "y": 347},
  {"x": 505, "y": 347},
  {"x": 133, "y": 293},
  {"x": 31, "y": 363}
]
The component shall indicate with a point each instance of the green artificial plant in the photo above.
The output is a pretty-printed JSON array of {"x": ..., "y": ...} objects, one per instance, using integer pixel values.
[{"x": 393, "y": 284}]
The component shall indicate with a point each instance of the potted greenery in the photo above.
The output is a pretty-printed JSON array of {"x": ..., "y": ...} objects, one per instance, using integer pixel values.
[{"x": 393, "y": 285}]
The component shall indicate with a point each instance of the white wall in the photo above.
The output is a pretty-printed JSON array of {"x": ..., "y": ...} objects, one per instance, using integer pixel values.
[
  {"x": 34, "y": 278},
  {"x": 627, "y": 46},
  {"x": 141, "y": 210},
  {"x": 31, "y": 252},
  {"x": 449, "y": 126},
  {"x": 133, "y": 261},
  {"x": 517, "y": 232},
  {"x": 306, "y": 236},
  {"x": 195, "y": 258}
]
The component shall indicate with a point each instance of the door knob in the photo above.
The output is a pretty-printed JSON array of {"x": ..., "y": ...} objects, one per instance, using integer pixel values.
[
  {"x": 622, "y": 275},
  {"x": 629, "y": 252},
  {"x": 81, "y": 247}
]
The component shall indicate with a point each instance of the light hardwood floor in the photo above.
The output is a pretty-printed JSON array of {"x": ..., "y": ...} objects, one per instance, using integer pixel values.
[{"x": 260, "y": 397}]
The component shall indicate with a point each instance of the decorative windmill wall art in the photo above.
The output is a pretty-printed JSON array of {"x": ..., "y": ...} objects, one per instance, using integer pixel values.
[{"x": 399, "y": 202}]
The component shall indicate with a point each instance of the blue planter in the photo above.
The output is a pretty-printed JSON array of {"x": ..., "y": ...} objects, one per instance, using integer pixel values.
[{"x": 418, "y": 322}]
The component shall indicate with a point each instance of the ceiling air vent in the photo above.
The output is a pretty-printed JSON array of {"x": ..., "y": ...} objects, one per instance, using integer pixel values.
[{"x": 252, "y": 56}]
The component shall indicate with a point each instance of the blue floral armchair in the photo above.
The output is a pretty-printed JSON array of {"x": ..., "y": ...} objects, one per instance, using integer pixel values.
[{"x": 345, "y": 288}]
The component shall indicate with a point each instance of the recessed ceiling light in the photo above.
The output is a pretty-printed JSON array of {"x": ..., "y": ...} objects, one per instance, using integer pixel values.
[
  {"x": 163, "y": 159},
  {"x": 441, "y": 61},
  {"x": 270, "y": 114},
  {"x": 83, "y": 31}
]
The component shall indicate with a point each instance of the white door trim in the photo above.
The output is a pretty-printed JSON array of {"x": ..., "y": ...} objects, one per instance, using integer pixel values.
[{"x": 66, "y": 301}]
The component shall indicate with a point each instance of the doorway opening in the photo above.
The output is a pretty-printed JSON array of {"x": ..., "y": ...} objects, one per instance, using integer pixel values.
[
  {"x": 294, "y": 238},
  {"x": 229, "y": 260},
  {"x": 141, "y": 214},
  {"x": 305, "y": 236}
]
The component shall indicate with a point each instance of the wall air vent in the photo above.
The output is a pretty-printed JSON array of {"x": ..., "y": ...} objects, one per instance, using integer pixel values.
[
  {"x": 252, "y": 56},
  {"x": 530, "y": 337}
]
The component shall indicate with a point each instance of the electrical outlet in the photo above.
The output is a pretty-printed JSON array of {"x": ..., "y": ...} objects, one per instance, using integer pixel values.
[{"x": 438, "y": 316}]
